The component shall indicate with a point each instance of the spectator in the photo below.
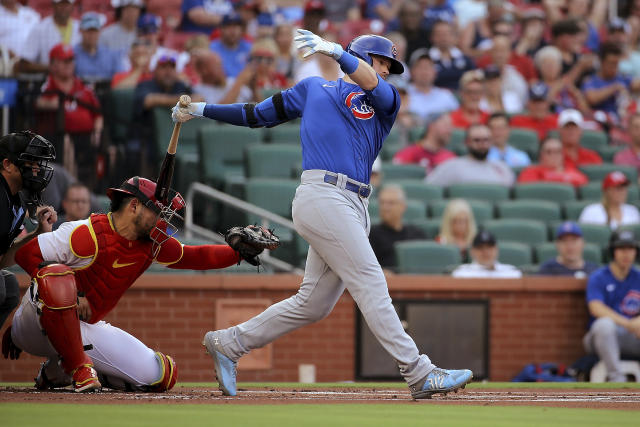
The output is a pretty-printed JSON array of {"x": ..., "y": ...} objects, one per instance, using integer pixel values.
[
  {"x": 496, "y": 97},
  {"x": 484, "y": 261},
  {"x": 287, "y": 62},
  {"x": 612, "y": 211},
  {"x": 320, "y": 65},
  {"x": 148, "y": 30},
  {"x": 17, "y": 22},
  {"x": 570, "y": 122},
  {"x": 83, "y": 122},
  {"x": 472, "y": 92},
  {"x": 140, "y": 59},
  {"x": 405, "y": 120},
  {"x": 551, "y": 166},
  {"x": 425, "y": 99},
  {"x": 531, "y": 39},
  {"x": 342, "y": 10},
  {"x": 400, "y": 41},
  {"x": 630, "y": 156},
  {"x": 203, "y": 16},
  {"x": 266, "y": 79},
  {"x": 458, "y": 227},
  {"x": 608, "y": 90},
  {"x": 76, "y": 204},
  {"x": 55, "y": 191},
  {"x": 315, "y": 17},
  {"x": 392, "y": 205},
  {"x": 501, "y": 151},
  {"x": 93, "y": 60},
  {"x": 119, "y": 36},
  {"x": 216, "y": 87},
  {"x": 538, "y": 117},
  {"x": 439, "y": 10},
  {"x": 512, "y": 81},
  {"x": 569, "y": 261},
  {"x": 575, "y": 66},
  {"x": 384, "y": 10},
  {"x": 474, "y": 167},
  {"x": 591, "y": 13},
  {"x": 475, "y": 37},
  {"x": 613, "y": 301},
  {"x": 231, "y": 47},
  {"x": 618, "y": 33},
  {"x": 429, "y": 150},
  {"x": 410, "y": 25},
  {"x": 52, "y": 30},
  {"x": 450, "y": 62}
]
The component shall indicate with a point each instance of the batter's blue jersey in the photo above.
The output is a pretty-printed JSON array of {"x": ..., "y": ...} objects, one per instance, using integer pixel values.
[{"x": 343, "y": 126}]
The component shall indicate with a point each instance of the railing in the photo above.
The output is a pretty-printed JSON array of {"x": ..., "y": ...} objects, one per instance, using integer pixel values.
[{"x": 267, "y": 217}]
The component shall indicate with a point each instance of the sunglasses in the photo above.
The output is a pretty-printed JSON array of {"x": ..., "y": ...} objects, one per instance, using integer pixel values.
[{"x": 265, "y": 59}]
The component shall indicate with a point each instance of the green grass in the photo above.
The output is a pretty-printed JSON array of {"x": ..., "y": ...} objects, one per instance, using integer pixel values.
[{"x": 352, "y": 415}]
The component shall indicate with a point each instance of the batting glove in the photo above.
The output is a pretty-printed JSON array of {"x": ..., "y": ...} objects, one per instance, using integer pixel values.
[
  {"x": 183, "y": 114},
  {"x": 306, "y": 39}
]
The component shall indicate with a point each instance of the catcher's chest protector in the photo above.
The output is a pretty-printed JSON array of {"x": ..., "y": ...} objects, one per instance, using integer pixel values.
[{"x": 116, "y": 265}]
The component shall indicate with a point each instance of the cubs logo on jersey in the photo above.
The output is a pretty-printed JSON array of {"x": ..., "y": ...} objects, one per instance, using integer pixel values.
[
  {"x": 356, "y": 102},
  {"x": 630, "y": 304}
]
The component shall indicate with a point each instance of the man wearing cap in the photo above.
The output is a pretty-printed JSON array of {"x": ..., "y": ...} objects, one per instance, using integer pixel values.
[
  {"x": 613, "y": 301},
  {"x": 619, "y": 32},
  {"x": 538, "y": 117},
  {"x": 472, "y": 90},
  {"x": 52, "y": 30},
  {"x": 569, "y": 261},
  {"x": 120, "y": 35},
  {"x": 93, "y": 60},
  {"x": 449, "y": 61},
  {"x": 551, "y": 167},
  {"x": 484, "y": 256},
  {"x": 425, "y": 99},
  {"x": 232, "y": 48},
  {"x": 203, "y": 16},
  {"x": 500, "y": 150},
  {"x": 631, "y": 156},
  {"x": 17, "y": 22},
  {"x": 612, "y": 210},
  {"x": 570, "y": 130},
  {"x": 148, "y": 33}
]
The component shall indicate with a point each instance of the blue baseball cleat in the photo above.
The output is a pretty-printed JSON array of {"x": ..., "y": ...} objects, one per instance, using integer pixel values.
[
  {"x": 225, "y": 367},
  {"x": 441, "y": 381}
]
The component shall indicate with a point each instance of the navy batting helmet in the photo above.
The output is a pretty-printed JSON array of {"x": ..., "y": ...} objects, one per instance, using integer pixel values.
[
  {"x": 622, "y": 239},
  {"x": 370, "y": 44}
]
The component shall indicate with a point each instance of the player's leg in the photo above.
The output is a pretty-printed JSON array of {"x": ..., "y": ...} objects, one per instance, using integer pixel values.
[
  {"x": 9, "y": 294},
  {"x": 602, "y": 339}
]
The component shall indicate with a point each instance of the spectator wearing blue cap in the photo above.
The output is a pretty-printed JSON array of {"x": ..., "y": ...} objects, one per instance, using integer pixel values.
[
  {"x": 570, "y": 247},
  {"x": 93, "y": 60},
  {"x": 231, "y": 46},
  {"x": 120, "y": 35},
  {"x": 148, "y": 32},
  {"x": 203, "y": 16}
]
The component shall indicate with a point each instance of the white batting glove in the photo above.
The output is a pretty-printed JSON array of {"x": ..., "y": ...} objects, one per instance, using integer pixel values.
[
  {"x": 183, "y": 114},
  {"x": 306, "y": 39}
]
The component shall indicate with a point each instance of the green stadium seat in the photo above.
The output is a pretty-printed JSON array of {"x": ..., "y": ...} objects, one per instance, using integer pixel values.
[
  {"x": 525, "y": 140},
  {"x": 120, "y": 105},
  {"x": 529, "y": 209},
  {"x": 597, "y": 234},
  {"x": 394, "y": 137},
  {"x": 392, "y": 171},
  {"x": 598, "y": 172},
  {"x": 104, "y": 202},
  {"x": 416, "y": 210},
  {"x": 548, "y": 250},
  {"x": 272, "y": 160},
  {"x": 527, "y": 231},
  {"x": 608, "y": 152},
  {"x": 573, "y": 208},
  {"x": 457, "y": 138},
  {"x": 418, "y": 190},
  {"x": 389, "y": 149},
  {"x": 287, "y": 133},
  {"x": 430, "y": 227},
  {"x": 482, "y": 210},
  {"x": 593, "y": 140},
  {"x": 591, "y": 191},
  {"x": 415, "y": 133},
  {"x": 488, "y": 192},
  {"x": 425, "y": 257},
  {"x": 514, "y": 253},
  {"x": 549, "y": 191}
]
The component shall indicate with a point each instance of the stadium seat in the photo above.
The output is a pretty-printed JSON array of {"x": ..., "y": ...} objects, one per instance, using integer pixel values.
[
  {"x": 527, "y": 231},
  {"x": 288, "y": 133},
  {"x": 598, "y": 172},
  {"x": 573, "y": 209},
  {"x": 425, "y": 257},
  {"x": 548, "y": 250},
  {"x": 415, "y": 133},
  {"x": 488, "y": 192},
  {"x": 418, "y": 190},
  {"x": 550, "y": 191},
  {"x": 514, "y": 253},
  {"x": 119, "y": 111},
  {"x": 482, "y": 210},
  {"x": 457, "y": 138},
  {"x": 594, "y": 233},
  {"x": 525, "y": 140},
  {"x": 529, "y": 209},
  {"x": 593, "y": 140},
  {"x": 272, "y": 160},
  {"x": 430, "y": 227},
  {"x": 389, "y": 150},
  {"x": 608, "y": 152},
  {"x": 416, "y": 210},
  {"x": 391, "y": 171},
  {"x": 591, "y": 191}
]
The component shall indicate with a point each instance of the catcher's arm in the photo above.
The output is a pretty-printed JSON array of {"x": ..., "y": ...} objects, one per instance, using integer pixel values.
[{"x": 206, "y": 257}]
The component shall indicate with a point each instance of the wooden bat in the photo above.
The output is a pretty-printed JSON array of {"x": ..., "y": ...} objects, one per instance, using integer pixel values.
[{"x": 165, "y": 176}]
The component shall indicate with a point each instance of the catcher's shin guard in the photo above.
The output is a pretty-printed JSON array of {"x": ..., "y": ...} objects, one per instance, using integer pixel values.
[
  {"x": 169, "y": 373},
  {"x": 57, "y": 300}
]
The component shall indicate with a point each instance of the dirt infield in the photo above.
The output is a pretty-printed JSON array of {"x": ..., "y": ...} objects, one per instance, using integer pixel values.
[{"x": 623, "y": 398}]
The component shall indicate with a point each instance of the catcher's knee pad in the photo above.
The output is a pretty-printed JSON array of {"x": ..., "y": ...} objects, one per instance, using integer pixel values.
[
  {"x": 57, "y": 299},
  {"x": 169, "y": 373}
]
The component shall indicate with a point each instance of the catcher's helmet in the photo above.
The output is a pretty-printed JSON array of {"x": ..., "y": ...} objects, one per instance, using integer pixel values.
[
  {"x": 26, "y": 146},
  {"x": 370, "y": 44},
  {"x": 622, "y": 239}
]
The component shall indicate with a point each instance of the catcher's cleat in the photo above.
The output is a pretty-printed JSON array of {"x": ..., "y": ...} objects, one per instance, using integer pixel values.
[
  {"x": 441, "y": 381},
  {"x": 85, "y": 379},
  {"x": 225, "y": 367}
]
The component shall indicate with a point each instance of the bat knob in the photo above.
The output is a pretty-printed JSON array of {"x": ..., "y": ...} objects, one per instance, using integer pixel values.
[{"x": 185, "y": 100}]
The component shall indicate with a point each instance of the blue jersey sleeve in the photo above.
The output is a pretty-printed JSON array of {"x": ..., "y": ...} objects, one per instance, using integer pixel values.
[
  {"x": 385, "y": 98},
  {"x": 595, "y": 286}
]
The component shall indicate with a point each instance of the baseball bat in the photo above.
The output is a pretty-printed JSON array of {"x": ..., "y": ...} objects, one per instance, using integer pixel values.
[{"x": 166, "y": 170}]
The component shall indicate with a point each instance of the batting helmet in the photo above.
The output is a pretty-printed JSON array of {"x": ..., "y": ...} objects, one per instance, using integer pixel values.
[
  {"x": 370, "y": 44},
  {"x": 622, "y": 239}
]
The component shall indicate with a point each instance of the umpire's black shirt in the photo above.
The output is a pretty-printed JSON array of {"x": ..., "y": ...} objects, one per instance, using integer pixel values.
[{"x": 12, "y": 213}]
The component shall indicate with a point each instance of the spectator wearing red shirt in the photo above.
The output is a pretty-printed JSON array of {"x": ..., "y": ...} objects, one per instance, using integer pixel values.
[
  {"x": 472, "y": 91},
  {"x": 551, "y": 167},
  {"x": 140, "y": 58},
  {"x": 539, "y": 118},
  {"x": 429, "y": 151},
  {"x": 570, "y": 127}
]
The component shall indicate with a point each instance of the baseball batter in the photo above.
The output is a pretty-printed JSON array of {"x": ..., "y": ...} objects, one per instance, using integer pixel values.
[
  {"x": 344, "y": 123},
  {"x": 81, "y": 270}
]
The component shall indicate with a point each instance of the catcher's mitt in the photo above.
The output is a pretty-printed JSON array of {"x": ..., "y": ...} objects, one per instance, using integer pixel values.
[{"x": 250, "y": 241}]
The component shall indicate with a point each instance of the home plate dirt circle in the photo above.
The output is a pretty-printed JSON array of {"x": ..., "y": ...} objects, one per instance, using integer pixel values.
[{"x": 623, "y": 398}]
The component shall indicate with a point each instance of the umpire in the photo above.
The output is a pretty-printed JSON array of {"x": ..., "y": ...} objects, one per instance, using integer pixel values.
[{"x": 24, "y": 173}]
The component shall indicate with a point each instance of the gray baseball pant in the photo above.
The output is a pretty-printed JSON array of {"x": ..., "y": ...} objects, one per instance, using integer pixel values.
[{"x": 611, "y": 342}]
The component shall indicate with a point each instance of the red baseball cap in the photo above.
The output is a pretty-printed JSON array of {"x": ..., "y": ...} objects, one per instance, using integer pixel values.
[
  {"x": 313, "y": 5},
  {"x": 615, "y": 179},
  {"x": 61, "y": 51}
]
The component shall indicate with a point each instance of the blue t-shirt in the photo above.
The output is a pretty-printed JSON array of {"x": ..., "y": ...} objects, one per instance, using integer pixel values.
[
  {"x": 511, "y": 156},
  {"x": 609, "y": 105},
  {"x": 432, "y": 14},
  {"x": 102, "y": 65},
  {"x": 553, "y": 268},
  {"x": 233, "y": 60},
  {"x": 621, "y": 296},
  {"x": 214, "y": 7},
  {"x": 343, "y": 126}
]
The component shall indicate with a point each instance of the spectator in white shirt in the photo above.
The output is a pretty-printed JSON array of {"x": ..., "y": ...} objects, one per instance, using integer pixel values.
[
  {"x": 120, "y": 35},
  {"x": 484, "y": 255},
  {"x": 612, "y": 210},
  {"x": 16, "y": 21}
]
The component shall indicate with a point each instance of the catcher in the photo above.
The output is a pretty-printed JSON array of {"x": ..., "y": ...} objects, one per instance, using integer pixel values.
[{"x": 81, "y": 270}]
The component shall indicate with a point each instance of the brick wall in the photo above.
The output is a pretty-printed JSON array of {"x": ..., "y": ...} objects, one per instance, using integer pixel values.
[{"x": 531, "y": 320}]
